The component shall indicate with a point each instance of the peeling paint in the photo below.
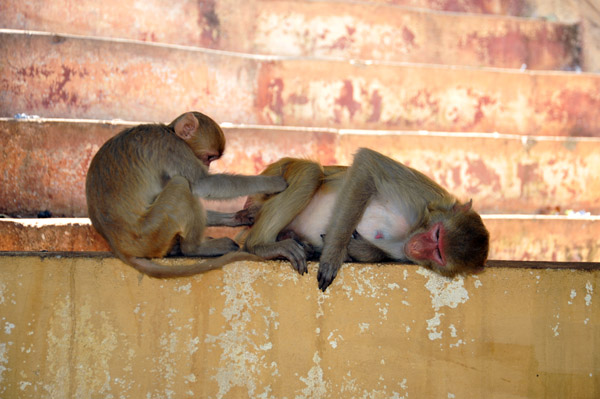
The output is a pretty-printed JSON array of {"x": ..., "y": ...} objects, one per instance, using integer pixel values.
[
  {"x": 184, "y": 288},
  {"x": 589, "y": 291},
  {"x": 8, "y": 327},
  {"x": 443, "y": 292},
  {"x": 243, "y": 354},
  {"x": 316, "y": 386},
  {"x": 2, "y": 292},
  {"x": 3, "y": 359}
]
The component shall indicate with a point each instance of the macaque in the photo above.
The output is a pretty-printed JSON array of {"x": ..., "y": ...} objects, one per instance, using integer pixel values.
[
  {"x": 373, "y": 211},
  {"x": 142, "y": 192}
]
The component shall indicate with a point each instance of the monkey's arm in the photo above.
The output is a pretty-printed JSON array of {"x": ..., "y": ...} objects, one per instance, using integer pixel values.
[
  {"x": 243, "y": 217},
  {"x": 223, "y": 186},
  {"x": 371, "y": 173},
  {"x": 356, "y": 191}
]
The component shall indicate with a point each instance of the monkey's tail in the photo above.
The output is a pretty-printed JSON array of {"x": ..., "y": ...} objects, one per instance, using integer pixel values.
[{"x": 153, "y": 269}]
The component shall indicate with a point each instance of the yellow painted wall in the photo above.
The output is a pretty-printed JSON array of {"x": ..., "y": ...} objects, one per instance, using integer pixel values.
[{"x": 88, "y": 327}]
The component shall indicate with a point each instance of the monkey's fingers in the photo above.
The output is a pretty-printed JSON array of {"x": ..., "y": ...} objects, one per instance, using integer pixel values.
[
  {"x": 296, "y": 254},
  {"x": 326, "y": 275}
]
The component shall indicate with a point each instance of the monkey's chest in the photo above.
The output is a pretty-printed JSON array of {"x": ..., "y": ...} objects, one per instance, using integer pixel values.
[{"x": 382, "y": 223}]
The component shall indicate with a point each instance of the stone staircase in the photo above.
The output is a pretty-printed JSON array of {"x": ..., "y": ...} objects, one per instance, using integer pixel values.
[{"x": 487, "y": 97}]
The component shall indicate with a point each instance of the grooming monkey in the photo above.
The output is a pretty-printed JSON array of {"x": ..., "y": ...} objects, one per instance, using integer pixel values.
[
  {"x": 142, "y": 188},
  {"x": 375, "y": 210}
]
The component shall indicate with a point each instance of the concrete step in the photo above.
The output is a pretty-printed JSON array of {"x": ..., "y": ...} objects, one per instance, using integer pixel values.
[
  {"x": 81, "y": 326},
  {"x": 43, "y": 163},
  {"x": 496, "y": 7},
  {"x": 350, "y": 30},
  {"x": 74, "y": 77},
  {"x": 513, "y": 237}
]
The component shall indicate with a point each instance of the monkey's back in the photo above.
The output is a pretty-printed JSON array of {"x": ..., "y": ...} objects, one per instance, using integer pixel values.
[{"x": 128, "y": 172}]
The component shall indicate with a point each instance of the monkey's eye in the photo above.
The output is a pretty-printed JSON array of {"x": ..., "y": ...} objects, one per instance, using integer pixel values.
[{"x": 439, "y": 256}]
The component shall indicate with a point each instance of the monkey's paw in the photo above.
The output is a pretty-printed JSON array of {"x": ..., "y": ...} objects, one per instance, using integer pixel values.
[
  {"x": 295, "y": 252},
  {"x": 328, "y": 270}
]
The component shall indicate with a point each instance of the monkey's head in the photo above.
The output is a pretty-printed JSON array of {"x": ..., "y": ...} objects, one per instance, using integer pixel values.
[
  {"x": 452, "y": 240},
  {"x": 202, "y": 134}
]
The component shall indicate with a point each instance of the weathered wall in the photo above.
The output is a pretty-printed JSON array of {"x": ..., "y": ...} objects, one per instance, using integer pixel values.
[{"x": 89, "y": 327}]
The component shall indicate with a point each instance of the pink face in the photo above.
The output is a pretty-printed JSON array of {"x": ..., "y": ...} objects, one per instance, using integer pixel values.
[{"x": 428, "y": 245}]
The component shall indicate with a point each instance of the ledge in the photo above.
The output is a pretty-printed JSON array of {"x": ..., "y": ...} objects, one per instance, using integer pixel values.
[
  {"x": 76, "y": 325},
  {"x": 513, "y": 237}
]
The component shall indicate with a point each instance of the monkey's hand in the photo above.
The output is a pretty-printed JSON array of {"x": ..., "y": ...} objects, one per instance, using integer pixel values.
[
  {"x": 330, "y": 263},
  {"x": 289, "y": 249},
  {"x": 245, "y": 217}
]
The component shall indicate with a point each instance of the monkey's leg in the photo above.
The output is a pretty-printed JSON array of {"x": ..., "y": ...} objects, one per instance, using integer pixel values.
[
  {"x": 303, "y": 178},
  {"x": 176, "y": 212}
]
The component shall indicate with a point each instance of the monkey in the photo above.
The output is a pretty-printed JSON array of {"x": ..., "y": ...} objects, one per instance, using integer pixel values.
[
  {"x": 142, "y": 190},
  {"x": 376, "y": 210}
]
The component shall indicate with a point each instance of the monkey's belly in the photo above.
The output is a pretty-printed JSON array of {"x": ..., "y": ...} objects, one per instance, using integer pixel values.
[
  {"x": 384, "y": 225},
  {"x": 312, "y": 222}
]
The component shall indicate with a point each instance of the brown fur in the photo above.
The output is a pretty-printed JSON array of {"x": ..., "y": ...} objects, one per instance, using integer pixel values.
[
  {"x": 371, "y": 174},
  {"x": 142, "y": 188}
]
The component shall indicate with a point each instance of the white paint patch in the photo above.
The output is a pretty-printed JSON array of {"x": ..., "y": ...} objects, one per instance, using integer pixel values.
[
  {"x": 432, "y": 325},
  {"x": 193, "y": 345},
  {"x": 333, "y": 340},
  {"x": 363, "y": 327},
  {"x": 366, "y": 282},
  {"x": 3, "y": 359},
  {"x": 2, "y": 292},
  {"x": 452, "y": 331},
  {"x": 243, "y": 358},
  {"x": 458, "y": 343},
  {"x": 477, "y": 283},
  {"x": 555, "y": 329},
  {"x": 187, "y": 288},
  {"x": 572, "y": 296},
  {"x": 451, "y": 395},
  {"x": 393, "y": 286},
  {"x": 383, "y": 311},
  {"x": 316, "y": 386},
  {"x": 444, "y": 292},
  {"x": 589, "y": 288},
  {"x": 405, "y": 303},
  {"x": 8, "y": 327},
  {"x": 23, "y": 385}
]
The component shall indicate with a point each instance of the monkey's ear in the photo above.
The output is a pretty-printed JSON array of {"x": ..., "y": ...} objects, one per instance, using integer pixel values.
[
  {"x": 463, "y": 207},
  {"x": 186, "y": 126}
]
